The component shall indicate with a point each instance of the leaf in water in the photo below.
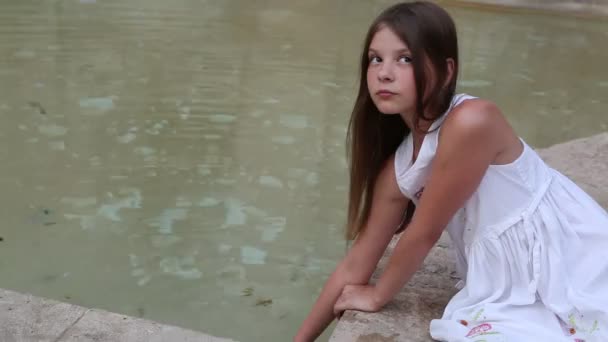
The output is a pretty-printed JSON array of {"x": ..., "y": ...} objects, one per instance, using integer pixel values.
[
  {"x": 263, "y": 302},
  {"x": 37, "y": 105}
]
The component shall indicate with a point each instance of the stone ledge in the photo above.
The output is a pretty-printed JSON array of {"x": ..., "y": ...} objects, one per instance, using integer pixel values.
[
  {"x": 25, "y": 318},
  {"x": 407, "y": 317}
]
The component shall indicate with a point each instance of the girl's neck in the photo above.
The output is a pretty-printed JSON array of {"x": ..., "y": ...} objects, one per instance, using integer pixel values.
[
  {"x": 416, "y": 128},
  {"x": 418, "y": 132}
]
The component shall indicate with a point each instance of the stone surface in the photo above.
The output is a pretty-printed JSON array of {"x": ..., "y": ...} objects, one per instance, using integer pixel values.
[
  {"x": 408, "y": 316},
  {"x": 25, "y": 318},
  {"x": 585, "y": 161}
]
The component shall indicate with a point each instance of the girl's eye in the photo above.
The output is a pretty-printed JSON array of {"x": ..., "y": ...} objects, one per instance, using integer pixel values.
[
  {"x": 375, "y": 59},
  {"x": 405, "y": 59}
]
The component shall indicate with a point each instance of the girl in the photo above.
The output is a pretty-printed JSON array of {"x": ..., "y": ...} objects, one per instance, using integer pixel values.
[{"x": 531, "y": 247}]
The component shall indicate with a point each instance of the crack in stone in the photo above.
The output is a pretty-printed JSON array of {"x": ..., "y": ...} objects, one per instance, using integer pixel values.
[{"x": 62, "y": 335}]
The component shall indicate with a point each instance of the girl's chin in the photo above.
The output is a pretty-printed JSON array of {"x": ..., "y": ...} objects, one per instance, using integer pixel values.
[
  {"x": 388, "y": 110},
  {"x": 388, "y": 107}
]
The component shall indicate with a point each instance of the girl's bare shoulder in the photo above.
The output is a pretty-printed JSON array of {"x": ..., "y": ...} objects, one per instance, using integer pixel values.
[
  {"x": 475, "y": 113},
  {"x": 479, "y": 121}
]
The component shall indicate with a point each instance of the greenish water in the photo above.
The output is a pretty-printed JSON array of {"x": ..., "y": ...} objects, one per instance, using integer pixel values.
[{"x": 184, "y": 161}]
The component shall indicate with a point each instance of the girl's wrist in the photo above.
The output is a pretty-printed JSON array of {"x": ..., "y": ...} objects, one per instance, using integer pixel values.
[
  {"x": 299, "y": 338},
  {"x": 379, "y": 297},
  {"x": 302, "y": 337}
]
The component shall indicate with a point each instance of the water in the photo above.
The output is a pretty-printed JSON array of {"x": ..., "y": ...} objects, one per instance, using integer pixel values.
[{"x": 184, "y": 161}]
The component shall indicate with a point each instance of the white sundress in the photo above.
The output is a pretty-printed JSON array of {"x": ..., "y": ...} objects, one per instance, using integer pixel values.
[{"x": 531, "y": 249}]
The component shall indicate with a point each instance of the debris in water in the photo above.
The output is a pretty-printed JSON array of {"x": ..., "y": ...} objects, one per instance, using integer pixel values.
[
  {"x": 247, "y": 292},
  {"x": 263, "y": 302},
  {"x": 38, "y": 106}
]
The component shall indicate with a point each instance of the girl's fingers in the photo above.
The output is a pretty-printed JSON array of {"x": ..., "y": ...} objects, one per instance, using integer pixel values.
[
  {"x": 338, "y": 313},
  {"x": 338, "y": 307}
]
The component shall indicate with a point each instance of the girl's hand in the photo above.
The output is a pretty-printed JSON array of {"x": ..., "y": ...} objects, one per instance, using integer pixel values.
[{"x": 357, "y": 297}]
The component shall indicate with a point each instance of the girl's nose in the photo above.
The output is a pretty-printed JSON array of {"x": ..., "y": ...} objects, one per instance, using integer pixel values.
[{"x": 385, "y": 74}]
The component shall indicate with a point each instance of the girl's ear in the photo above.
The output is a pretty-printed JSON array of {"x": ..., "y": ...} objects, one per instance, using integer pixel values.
[{"x": 450, "y": 64}]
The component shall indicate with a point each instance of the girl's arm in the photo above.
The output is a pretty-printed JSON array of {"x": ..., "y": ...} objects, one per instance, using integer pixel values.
[
  {"x": 388, "y": 206},
  {"x": 472, "y": 137}
]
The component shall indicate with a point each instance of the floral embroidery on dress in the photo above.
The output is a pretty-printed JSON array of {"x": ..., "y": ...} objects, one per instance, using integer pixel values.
[
  {"x": 480, "y": 327},
  {"x": 419, "y": 193},
  {"x": 576, "y": 325},
  {"x": 478, "y": 315}
]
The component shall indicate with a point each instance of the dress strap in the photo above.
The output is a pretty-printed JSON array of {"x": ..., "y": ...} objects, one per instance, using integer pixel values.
[{"x": 456, "y": 100}]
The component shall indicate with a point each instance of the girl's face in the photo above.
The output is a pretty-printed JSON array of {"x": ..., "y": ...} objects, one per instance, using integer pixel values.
[{"x": 390, "y": 74}]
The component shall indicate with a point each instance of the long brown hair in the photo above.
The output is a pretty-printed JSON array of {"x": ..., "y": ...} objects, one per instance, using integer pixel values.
[{"x": 430, "y": 34}]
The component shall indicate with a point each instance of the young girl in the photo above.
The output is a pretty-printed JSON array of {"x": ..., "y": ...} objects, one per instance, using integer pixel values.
[{"x": 531, "y": 247}]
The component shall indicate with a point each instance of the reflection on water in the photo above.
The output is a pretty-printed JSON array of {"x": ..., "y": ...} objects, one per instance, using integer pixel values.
[{"x": 184, "y": 161}]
